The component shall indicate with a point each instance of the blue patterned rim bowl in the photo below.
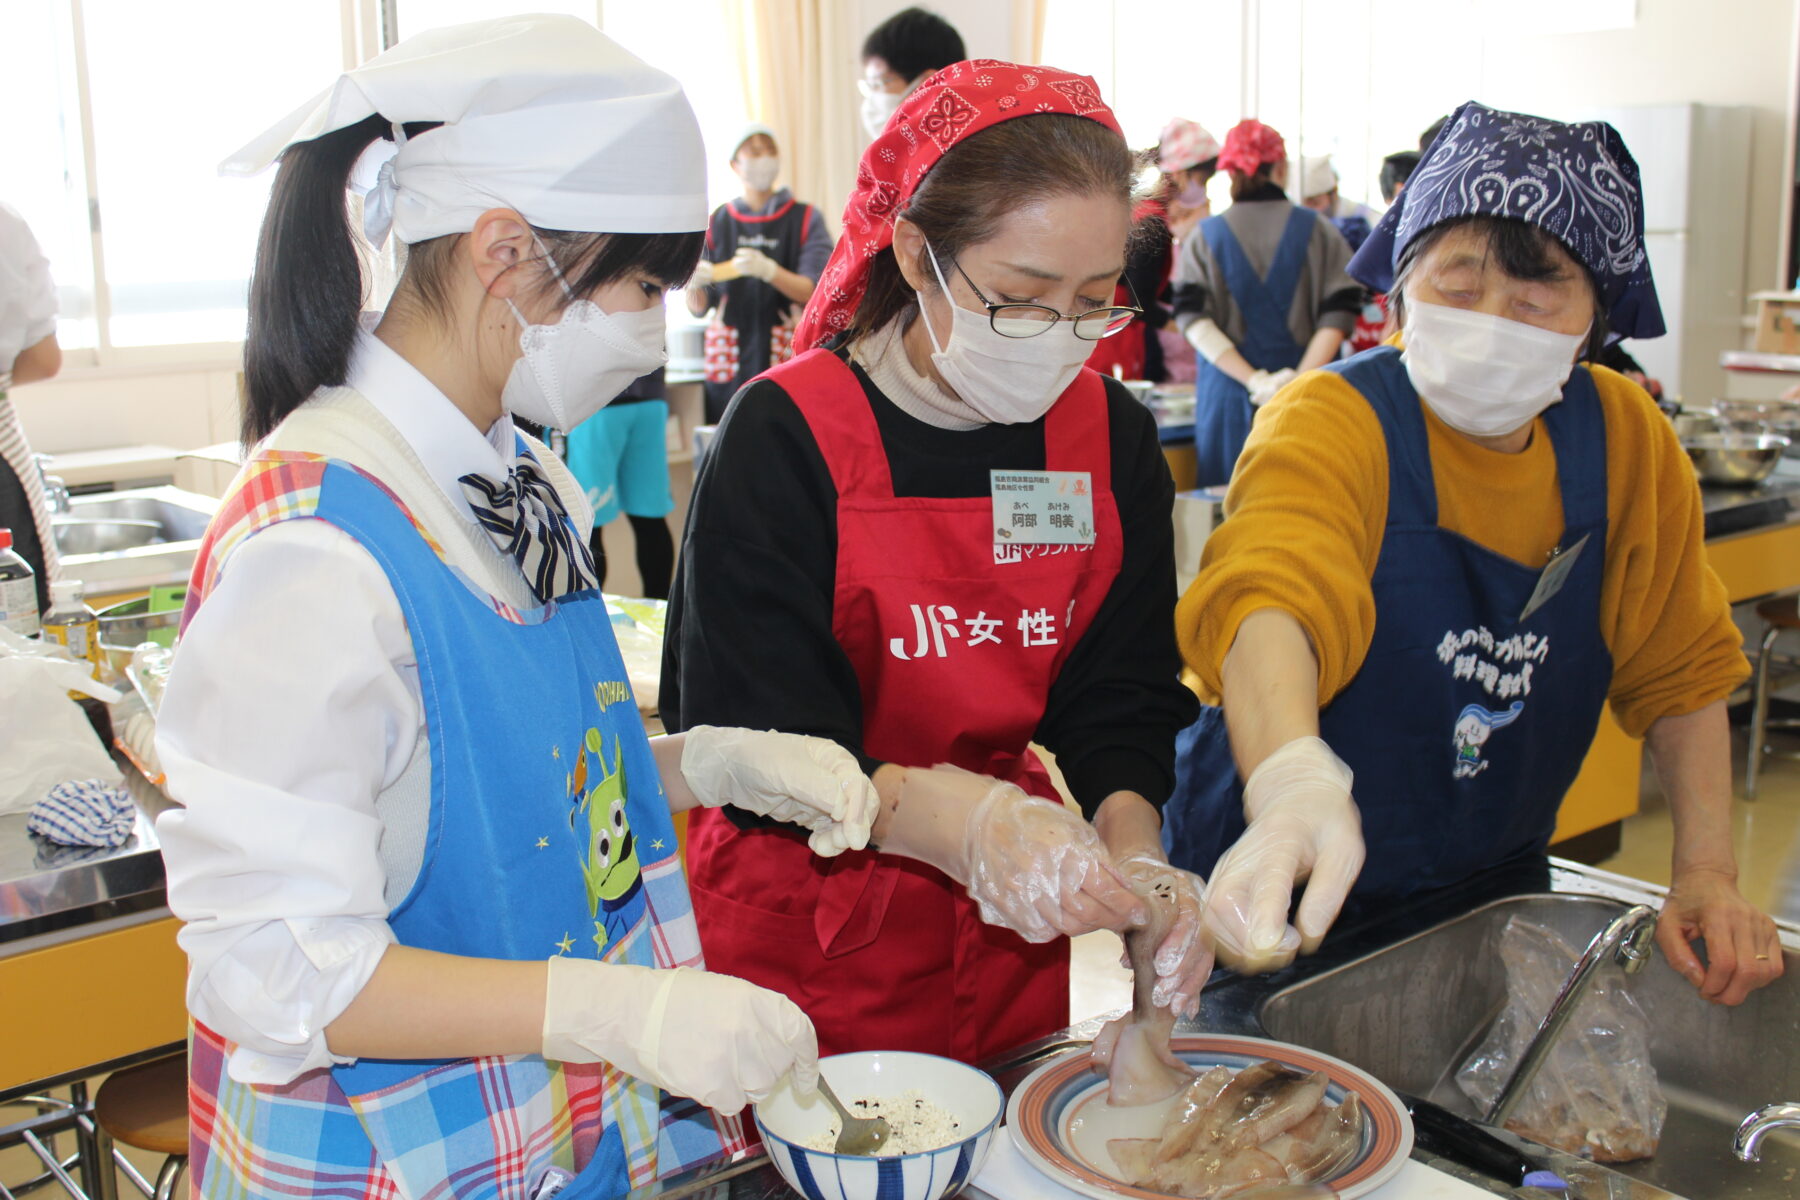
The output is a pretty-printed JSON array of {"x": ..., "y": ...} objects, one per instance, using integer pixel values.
[{"x": 971, "y": 1098}]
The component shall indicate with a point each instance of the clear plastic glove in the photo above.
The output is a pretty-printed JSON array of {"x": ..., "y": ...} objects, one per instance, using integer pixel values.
[
  {"x": 1185, "y": 957},
  {"x": 702, "y": 276},
  {"x": 807, "y": 781},
  {"x": 1264, "y": 384},
  {"x": 715, "y": 1038},
  {"x": 754, "y": 263},
  {"x": 1303, "y": 824},
  {"x": 1030, "y": 864}
]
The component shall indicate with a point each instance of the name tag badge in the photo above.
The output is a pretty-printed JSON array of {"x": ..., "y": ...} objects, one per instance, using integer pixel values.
[
  {"x": 1043, "y": 508},
  {"x": 1555, "y": 575}
]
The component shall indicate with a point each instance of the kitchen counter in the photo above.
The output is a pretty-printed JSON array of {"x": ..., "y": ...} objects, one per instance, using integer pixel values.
[{"x": 1233, "y": 1004}]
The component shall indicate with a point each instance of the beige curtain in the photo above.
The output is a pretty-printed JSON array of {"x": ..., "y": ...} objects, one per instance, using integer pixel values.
[
  {"x": 800, "y": 79},
  {"x": 1028, "y": 18}
]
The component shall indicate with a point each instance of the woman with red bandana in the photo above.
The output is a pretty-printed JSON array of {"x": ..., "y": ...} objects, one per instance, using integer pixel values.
[
  {"x": 1261, "y": 293},
  {"x": 935, "y": 538}
]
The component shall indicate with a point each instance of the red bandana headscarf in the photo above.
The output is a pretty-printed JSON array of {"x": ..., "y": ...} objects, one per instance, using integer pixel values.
[
  {"x": 1249, "y": 145},
  {"x": 962, "y": 99}
]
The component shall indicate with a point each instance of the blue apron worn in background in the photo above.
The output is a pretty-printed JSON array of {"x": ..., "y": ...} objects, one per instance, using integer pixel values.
[
  {"x": 1466, "y": 725},
  {"x": 1222, "y": 408}
]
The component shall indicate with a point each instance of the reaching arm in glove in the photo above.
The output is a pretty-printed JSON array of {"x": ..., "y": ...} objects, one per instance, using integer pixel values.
[
  {"x": 1216, "y": 347},
  {"x": 715, "y": 1038},
  {"x": 757, "y": 265},
  {"x": 807, "y": 781},
  {"x": 1032, "y": 865},
  {"x": 1303, "y": 822}
]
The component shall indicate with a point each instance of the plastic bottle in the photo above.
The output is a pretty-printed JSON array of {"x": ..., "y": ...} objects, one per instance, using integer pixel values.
[
  {"x": 71, "y": 622},
  {"x": 18, "y": 590}
]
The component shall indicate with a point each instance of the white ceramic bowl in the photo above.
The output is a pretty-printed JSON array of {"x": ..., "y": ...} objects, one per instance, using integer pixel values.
[{"x": 970, "y": 1096}]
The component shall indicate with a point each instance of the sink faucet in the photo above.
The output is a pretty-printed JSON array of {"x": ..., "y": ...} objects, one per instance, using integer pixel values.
[
  {"x": 56, "y": 493},
  {"x": 1769, "y": 1116},
  {"x": 1626, "y": 940}
]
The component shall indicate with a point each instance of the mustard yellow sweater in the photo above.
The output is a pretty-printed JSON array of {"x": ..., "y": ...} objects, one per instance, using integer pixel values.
[{"x": 1308, "y": 505}]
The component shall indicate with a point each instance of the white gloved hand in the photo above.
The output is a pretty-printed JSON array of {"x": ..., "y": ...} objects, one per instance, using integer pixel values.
[
  {"x": 1042, "y": 871},
  {"x": 1302, "y": 823},
  {"x": 807, "y": 781},
  {"x": 715, "y": 1038},
  {"x": 702, "y": 276},
  {"x": 1184, "y": 959},
  {"x": 754, "y": 263},
  {"x": 1264, "y": 384}
]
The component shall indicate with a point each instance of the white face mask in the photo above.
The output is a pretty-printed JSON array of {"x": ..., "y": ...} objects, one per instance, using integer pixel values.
[
  {"x": 1006, "y": 380},
  {"x": 877, "y": 108},
  {"x": 760, "y": 173},
  {"x": 1484, "y": 375},
  {"x": 571, "y": 370}
]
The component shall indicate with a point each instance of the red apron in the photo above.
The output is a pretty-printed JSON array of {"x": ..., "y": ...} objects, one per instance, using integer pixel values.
[{"x": 955, "y": 653}]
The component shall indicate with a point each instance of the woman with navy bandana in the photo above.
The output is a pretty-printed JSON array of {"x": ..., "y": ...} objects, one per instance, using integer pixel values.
[{"x": 1444, "y": 556}]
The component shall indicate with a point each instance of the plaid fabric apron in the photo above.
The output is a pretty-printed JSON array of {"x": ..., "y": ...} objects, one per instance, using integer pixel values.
[{"x": 549, "y": 834}]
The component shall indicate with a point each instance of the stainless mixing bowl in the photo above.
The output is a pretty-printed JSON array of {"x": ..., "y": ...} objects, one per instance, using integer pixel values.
[{"x": 1735, "y": 459}]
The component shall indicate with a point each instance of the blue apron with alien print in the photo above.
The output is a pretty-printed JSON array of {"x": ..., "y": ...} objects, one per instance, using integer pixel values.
[
  {"x": 549, "y": 834},
  {"x": 1466, "y": 724}
]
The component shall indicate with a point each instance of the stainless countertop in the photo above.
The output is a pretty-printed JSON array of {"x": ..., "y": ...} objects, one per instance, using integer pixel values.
[
  {"x": 48, "y": 890},
  {"x": 1232, "y": 1004}
]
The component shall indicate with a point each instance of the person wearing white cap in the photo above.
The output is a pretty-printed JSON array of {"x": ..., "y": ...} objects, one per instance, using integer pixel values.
[
  {"x": 764, "y": 254},
  {"x": 1188, "y": 157},
  {"x": 1319, "y": 192},
  {"x": 437, "y": 928}
]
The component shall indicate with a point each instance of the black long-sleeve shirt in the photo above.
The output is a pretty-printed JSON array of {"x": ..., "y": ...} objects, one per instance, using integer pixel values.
[{"x": 749, "y": 639}]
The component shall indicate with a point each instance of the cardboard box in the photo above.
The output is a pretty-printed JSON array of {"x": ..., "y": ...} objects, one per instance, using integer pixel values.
[{"x": 1778, "y": 323}]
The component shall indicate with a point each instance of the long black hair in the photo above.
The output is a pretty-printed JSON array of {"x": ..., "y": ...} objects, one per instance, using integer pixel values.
[{"x": 308, "y": 287}]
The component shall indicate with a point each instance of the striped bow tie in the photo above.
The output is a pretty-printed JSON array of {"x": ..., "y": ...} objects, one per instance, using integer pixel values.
[{"x": 526, "y": 519}]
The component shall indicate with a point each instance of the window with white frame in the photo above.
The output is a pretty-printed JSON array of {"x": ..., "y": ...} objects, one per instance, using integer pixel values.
[{"x": 120, "y": 111}]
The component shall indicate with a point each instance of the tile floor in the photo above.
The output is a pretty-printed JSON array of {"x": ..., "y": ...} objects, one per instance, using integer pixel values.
[{"x": 1767, "y": 835}]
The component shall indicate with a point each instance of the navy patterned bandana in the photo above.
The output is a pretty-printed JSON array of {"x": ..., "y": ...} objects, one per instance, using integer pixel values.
[{"x": 1577, "y": 183}]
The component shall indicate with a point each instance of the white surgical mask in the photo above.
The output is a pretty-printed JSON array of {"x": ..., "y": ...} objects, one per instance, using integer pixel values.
[
  {"x": 571, "y": 370},
  {"x": 760, "y": 173},
  {"x": 1006, "y": 380},
  {"x": 877, "y": 108},
  {"x": 1193, "y": 195},
  {"x": 1484, "y": 375}
]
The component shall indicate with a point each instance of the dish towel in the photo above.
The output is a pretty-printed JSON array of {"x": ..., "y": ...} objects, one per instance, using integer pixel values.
[{"x": 84, "y": 812}]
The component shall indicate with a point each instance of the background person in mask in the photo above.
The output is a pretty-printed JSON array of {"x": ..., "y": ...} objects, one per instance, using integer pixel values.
[
  {"x": 425, "y": 847},
  {"x": 1260, "y": 293},
  {"x": 893, "y": 587},
  {"x": 1442, "y": 559},
  {"x": 896, "y": 55},
  {"x": 776, "y": 247}
]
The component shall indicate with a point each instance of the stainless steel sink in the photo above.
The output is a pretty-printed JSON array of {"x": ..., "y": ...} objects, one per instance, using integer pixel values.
[
  {"x": 130, "y": 540},
  {"x": 80, "y": 535},
  {"x": 177, "y": 521},
  {"x": 1412, "y": 1012}
]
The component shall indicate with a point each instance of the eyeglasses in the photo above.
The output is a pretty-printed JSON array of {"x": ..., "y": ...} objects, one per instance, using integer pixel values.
[{"x": 1029, "y": 320}]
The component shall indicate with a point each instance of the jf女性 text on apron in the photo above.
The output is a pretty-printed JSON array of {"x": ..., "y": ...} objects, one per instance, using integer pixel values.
[
  {"x": 549, "y": 834},
  {"x": 955, "y": 642},
  {"x": 1469, "y": 719},
  {"x": 1222, "y": 408}
]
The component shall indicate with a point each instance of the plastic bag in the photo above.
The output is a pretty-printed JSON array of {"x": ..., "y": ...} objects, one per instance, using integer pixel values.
[
  {"x": 1596, "y": 1094},
  {"x": 48, "y": 738}
]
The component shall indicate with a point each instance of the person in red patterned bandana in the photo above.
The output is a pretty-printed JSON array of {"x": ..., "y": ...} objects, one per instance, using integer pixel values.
[{"x": 935, "y": 537}]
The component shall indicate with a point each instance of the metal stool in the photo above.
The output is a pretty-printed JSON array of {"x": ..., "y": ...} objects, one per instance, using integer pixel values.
[
  {"x": 1782, "y": 615},
  {"x": 147, "y": 1107}
]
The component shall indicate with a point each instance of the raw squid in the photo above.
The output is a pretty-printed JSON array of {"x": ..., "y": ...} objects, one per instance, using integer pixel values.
[
  {"x": 1264, "y": 1131},
  {"x": 1134, "y": 1050}
]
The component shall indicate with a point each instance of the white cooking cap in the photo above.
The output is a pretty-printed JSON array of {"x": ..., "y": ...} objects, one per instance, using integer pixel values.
[
  {"x": 751, "y": 130},
  {"x": 1317, "y": 175},
  {"x": 543, "y": 114}
]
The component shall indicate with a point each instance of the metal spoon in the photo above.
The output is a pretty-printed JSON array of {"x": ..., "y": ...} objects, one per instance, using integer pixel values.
[{"x": 857, "y": 1135}]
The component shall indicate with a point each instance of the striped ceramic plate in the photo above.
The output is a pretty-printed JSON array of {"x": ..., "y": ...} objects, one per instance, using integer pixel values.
[{"x": 1061, "y": 1124}]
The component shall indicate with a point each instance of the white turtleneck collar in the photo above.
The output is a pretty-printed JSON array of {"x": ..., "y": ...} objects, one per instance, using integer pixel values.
[{"x": 882, "y": 355}]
